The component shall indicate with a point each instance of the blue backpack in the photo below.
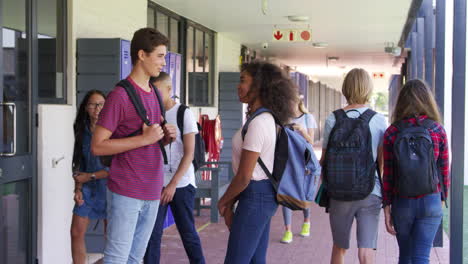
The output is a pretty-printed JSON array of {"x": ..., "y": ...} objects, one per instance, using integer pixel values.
[{"x": 296, "y": 168}]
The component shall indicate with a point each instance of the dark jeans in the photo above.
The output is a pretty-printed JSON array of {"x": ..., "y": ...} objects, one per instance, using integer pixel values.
[
  {"x": 182, "y": 208},
  {"x": 416, "y": 222},
  {"x": 250, "y": 229}
]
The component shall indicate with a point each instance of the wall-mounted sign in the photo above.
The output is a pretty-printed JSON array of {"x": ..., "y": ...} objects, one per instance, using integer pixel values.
[
  {"x": 292, "y": 35},
  {"x": 378, "y": 75}
]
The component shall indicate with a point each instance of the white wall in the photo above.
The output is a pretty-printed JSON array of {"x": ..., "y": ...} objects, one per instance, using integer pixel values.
[
  {"x": 86, "y": 19},
  {"x": 55, "y": 183}
]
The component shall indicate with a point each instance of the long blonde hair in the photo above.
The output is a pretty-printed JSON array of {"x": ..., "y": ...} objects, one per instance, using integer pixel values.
[{"x": 415, "y": 99}]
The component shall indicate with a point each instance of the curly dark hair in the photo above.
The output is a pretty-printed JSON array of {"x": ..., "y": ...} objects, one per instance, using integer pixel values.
[
  {"x": 274, "y": 87},
  {"x": 81, "y": 121}
]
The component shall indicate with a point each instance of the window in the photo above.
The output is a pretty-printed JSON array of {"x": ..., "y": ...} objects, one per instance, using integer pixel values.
[
  {"x": 196, "y": 44},
  {"x": 166, "y": 22},
  {"x": 51, "y": 25},
  {"x": 199, "y": 62}
]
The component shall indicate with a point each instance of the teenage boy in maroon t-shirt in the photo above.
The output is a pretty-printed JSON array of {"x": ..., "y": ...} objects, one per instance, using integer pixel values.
[{"x": 136, "y": 174}]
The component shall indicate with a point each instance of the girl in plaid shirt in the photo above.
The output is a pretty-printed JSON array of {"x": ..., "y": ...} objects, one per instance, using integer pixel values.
[{"x": 415, "y": 220}]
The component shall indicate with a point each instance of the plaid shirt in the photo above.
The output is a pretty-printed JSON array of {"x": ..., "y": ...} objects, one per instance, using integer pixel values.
[{"x": 441, "y": 154}]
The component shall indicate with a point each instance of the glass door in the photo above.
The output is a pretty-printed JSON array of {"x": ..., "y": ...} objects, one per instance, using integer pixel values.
[{"x": 16, "y": 161}]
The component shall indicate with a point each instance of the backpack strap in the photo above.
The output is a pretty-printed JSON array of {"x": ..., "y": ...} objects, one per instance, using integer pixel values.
[
  {"x": 161, "y": 104},
  {"x": 255, "y": 114},
  {"x": 367, "y": 115},
  {"x": 136, "y": 101},
  {"x": 180, "y": 119},
  {"x": 340, "y": 114},
  {"x": 428, "y": 123},
  {"x": 141, "y": 111},
  {"x": 244, "y": 131}
]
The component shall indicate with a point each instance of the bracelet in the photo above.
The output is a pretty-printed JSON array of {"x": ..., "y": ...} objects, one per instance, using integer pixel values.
[{"x": 77, "y": 189}]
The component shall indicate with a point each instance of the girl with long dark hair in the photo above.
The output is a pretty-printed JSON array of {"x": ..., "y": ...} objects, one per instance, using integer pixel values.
[
  {"x": 262, "y": 85},
  {"x": 89, "y": 174}
]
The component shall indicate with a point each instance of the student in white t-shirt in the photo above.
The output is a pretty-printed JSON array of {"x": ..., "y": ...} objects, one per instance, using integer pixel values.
[
  {"x": 305, "y": 124},
  {"x": 262, "y": 85},
  {"x": 179, "y": 181}
]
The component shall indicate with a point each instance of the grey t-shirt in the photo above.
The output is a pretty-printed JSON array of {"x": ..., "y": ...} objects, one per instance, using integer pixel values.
[{"x": 377, "y": 125}]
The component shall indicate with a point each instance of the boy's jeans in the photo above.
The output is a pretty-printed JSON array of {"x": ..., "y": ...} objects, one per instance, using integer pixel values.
[{"x": 129, "y": 225}]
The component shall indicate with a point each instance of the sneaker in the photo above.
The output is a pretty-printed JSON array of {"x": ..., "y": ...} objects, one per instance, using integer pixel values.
[
  {"x": 287, "y": 237},
  {"x": 305, "y": 232}
]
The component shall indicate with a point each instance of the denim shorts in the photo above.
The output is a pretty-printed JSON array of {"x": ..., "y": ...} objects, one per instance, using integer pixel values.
[
  {"x": 366, "y": 212},
  {"x": 94, "y": 196}
]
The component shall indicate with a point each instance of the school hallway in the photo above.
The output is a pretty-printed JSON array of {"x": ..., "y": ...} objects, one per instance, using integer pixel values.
[{"x": 314, "y": 249}]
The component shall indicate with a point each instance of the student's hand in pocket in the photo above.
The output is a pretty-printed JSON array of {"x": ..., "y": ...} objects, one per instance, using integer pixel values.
[
  {"x": 168, "y": 194},
  {"x": 78, "y": 197}
]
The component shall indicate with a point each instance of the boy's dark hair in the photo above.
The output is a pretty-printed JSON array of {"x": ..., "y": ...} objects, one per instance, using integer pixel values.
[
  {"x": 146, "y": 39},
  {"x": 163, "y": 76}
]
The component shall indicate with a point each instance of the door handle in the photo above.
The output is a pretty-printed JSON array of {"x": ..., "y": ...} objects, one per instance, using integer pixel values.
[{"x": 13, "y": 152}]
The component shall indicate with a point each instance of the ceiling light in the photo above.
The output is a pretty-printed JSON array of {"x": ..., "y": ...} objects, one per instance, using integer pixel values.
[
  {"x": 298, "y": 18},
  {"x": 320, "y": 45}
]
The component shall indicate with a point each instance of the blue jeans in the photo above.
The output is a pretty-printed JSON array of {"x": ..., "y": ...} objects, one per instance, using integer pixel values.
[
  {"x": 129, "y": 226},
  {"x": 250, "y": 229},
  {"x": 416, "y": 222},
  {"x": 287, "y": 214},
  {"x": 182, "y": 208}
]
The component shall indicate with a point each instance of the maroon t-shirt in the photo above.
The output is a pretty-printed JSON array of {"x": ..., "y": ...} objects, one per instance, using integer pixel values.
[{"x": 137, "y": 173}]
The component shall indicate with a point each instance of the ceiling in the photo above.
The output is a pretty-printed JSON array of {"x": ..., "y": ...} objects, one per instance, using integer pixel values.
[{"x": 356, "y": 31}]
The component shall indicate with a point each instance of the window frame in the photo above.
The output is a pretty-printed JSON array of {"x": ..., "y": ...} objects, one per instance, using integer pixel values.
[
  {"x": 184, "y": 25},
  {"x": 211, "y": 73},
  {"x": 61, "y": 53}
]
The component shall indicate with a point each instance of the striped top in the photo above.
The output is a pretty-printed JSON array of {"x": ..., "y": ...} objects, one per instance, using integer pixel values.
[
  {"x": 441, "y": 155},
  {"x": 137, "y": 173}
]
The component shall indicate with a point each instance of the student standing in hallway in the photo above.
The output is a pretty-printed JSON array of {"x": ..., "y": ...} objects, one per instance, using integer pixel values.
[
  {"x": 89, "y": 174},
  {"x": 179, "y": 181},
  {"x": 262, "y": 85},
  {"x": 136, "y": 174},
  {"x": 415, "y": 216},
  {"x": 305, "y": 124}
]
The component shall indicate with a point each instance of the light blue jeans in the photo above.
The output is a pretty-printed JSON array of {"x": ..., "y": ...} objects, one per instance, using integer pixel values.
[{"x": 130, "y": 222}]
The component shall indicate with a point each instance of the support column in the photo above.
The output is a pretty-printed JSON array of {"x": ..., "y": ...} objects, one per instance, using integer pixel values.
[{"x": 458, "y": 132}]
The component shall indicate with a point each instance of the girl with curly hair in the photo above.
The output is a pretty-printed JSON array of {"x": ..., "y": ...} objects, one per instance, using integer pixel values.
[{"x": 262, "y": 85}]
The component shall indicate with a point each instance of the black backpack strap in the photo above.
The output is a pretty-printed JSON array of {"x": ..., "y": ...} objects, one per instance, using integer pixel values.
[
  {"x": 161, "y": 104},
  {"x": 180, "y": 119},
  {"x": 141, "y": 111},
  {"x": 340, "y": 114},
  {"x": 367, "y": 115},
  {"x": 136, "y": 101},
  {"x": 428, "y": 123}
]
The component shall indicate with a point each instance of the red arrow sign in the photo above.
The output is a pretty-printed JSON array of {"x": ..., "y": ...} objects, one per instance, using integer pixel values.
[{"x": 278, "y": 35}]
